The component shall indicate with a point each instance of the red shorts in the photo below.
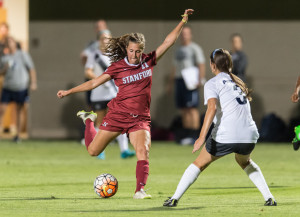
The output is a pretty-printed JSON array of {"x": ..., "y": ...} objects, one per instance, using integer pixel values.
[{"x": 125, "y": 122}]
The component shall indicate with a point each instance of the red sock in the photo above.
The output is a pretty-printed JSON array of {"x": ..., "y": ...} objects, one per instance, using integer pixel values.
[
  {"x": 89, "y": 132},
  {"x": 142, "y": 173}
]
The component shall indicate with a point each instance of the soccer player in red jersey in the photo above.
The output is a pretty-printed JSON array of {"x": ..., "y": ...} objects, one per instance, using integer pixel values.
[{"x": 129, "y": 112}]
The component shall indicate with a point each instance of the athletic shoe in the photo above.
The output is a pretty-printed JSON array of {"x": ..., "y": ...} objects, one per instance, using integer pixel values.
[
  {"x": 141, "y": 195},
  {"x": 87, "y": 115},
  {"x": 171, "y": 202},
  {"x": 296, "y": 144},
  {"x": 127, "y": 154},
  {"x": 271, "y": 202},
  {"x": 101, "y": 156},
  {"x": 17, "y": 139}
]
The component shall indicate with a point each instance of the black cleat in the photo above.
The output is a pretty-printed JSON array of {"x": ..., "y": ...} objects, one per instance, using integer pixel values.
[
  {"x": 296, "y": 144},
  {"x": 170, "y": 202},
  {"x": 271, "y": 202}
]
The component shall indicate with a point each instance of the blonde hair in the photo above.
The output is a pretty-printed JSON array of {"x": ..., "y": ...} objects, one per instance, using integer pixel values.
[
  {"x": 222, "y": 59},
  {"x": 116, "y": 48}
]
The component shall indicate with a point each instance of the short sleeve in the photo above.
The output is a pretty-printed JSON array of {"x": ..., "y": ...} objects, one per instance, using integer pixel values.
[
  {"x": 90, "y": 62},
  {"x": 150, "y": 58},
  {"x": 111, "y": 70},
  {"x": 28, "y": 61},
  {"x": 199, "y": 55},
  {"x": 209, "y": 91}
]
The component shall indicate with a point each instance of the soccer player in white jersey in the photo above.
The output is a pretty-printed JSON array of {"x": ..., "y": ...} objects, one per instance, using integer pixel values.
[
  {"x": 227, "y": 99},
  {"x": 95, "y": 65}
]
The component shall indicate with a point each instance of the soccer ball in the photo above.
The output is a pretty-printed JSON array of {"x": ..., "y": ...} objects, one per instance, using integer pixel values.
[{"x": 105, "y": 185}]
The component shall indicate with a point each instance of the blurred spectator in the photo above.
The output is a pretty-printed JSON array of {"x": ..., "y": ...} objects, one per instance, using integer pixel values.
[
  {"x": 19, "y": 76},
  {"x": 4, "y": 32},
  {"x": 239, "y": 58},
  {"x": 295, "y": 95},
  {"x": 94, "y": 44},
  {"x": 92, "y": 47},
  {"x": 188, "y": 56}
]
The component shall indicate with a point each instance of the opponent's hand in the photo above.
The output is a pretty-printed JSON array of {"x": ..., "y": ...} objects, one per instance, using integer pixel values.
[
  {"x": 199, "y": 142},
  {"x": 62, "y": 93},
  {"x": 186, "y": 14},
  {"x": 295, "y": 97}
]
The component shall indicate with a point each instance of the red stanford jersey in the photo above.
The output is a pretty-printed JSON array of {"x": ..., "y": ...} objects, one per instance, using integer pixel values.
[{"x": 134, "y": 82}]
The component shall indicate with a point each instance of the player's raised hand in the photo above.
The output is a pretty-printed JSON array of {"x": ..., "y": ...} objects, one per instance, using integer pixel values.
[
  {"x": 199, "y": 142},
  {"x": 295, "y": 97},
  {"x": 62, "y": 93},
  {"x": 186, "y": 14}
]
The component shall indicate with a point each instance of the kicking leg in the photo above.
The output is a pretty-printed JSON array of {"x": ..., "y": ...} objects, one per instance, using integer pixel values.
[
  {"x": 190, "y": 175},
  {"x": 95, "y": 142},
  {"x": 256, "y": 176}
]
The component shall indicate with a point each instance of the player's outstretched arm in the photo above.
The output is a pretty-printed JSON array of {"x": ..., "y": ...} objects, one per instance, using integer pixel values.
[
  {"x": 172, "y": 37},
  {"x": 208, "y": 119},
  {"x": 295, "y": 95},
  {"x": 89, "y": 85}
]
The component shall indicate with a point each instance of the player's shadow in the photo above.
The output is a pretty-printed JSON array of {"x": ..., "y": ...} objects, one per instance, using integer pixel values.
[
  {"x": 152, "y": 209},
  {"x": 215, "y": 188}
]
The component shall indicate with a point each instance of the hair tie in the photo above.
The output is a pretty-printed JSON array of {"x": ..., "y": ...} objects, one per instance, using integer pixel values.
[{"x": 214, "y": 52}]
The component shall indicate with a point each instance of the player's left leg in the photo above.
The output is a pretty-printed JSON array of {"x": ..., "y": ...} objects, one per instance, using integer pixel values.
[
  {"x": 190, "y": 175},
  {"x": 3, "y": 107},
  {"x": 296, "y": 140},
  {"x": 20, "y": 107},
  {"x": 256, "y": 176},
  {"x": 141, "y": 142}
]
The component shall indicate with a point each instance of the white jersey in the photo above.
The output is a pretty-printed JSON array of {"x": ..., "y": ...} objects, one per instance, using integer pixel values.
[
  {"x": 98, "y": 62},
  {"x": 233, "y": 120}
]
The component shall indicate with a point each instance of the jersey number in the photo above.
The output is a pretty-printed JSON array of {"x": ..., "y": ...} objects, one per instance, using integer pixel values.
[{"x": 241, "y": 99}]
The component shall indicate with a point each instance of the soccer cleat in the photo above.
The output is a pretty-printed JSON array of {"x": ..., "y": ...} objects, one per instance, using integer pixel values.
[
  {"x": 17, "y": 139},
  {"x": 296, "y": 144},
  {"x": 171, "y": 202},
  {"x": 271, "y": 202},
  {"x": 101, "y": 156},
  {"x": 127, "y": 154},
  {"x": 141, "y": 194},
  {"x": 87, "y": 115}
]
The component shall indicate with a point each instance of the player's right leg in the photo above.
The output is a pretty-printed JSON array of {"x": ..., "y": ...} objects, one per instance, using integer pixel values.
[
  {"x": 100, "y": 141},
  {"x": 256, "y": 176},
  {"x": 190, "y": 175},
  {"x": 95, "y": 142}
]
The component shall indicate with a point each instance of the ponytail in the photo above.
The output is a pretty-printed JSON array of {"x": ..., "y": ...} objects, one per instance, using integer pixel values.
[
  {"x": 241, "y": 85},
  {"x": 223, "y": 61}
]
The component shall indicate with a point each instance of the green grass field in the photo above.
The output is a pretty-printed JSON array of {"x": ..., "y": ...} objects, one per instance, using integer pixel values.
[{"x": 55, "y": 178}]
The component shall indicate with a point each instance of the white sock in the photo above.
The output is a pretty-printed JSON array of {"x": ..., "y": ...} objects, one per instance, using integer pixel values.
[
  {"x": 188, "y": 178},
  {"x": 123, "y": 142},
  {"x": 256, "y": 176}
]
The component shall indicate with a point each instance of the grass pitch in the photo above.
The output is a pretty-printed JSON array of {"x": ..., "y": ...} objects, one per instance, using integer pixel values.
[{"x": 55, "y": 178}]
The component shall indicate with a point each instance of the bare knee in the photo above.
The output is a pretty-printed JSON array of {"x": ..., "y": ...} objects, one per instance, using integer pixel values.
[
  {"x": 242, "y": 162},
  {"x": 202, "y": 166},
  {"x": 93, "y": 152},
  {"x": 142, "y": 152}
]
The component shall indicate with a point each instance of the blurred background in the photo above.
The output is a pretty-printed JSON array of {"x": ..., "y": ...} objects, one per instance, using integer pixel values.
[{"x": 55, "y": 33}]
